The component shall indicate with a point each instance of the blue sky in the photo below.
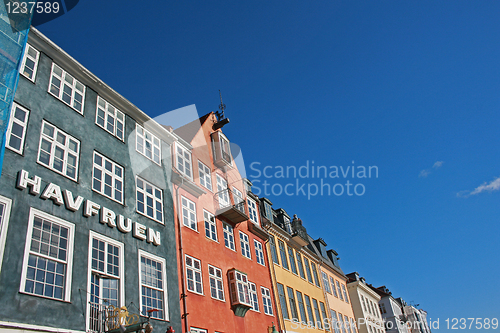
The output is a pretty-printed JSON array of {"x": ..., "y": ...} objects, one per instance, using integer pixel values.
[{"x": 399, "y": 85}]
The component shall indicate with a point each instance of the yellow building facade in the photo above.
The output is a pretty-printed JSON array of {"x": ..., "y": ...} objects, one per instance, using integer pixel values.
[{"x": 295, "y": 275}]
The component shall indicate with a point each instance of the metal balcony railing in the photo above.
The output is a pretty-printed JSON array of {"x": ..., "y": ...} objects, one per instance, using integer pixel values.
[
  {"x": 98, "y": 317},
  {"x": 230, "y": 205}
]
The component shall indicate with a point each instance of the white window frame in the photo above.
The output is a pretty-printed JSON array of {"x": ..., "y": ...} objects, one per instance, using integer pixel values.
[
  {"x": 252, "y": 211},
  {"x": 111, "y": 114},
  {"x": 147, "y": 138},
  {"x": 4, "y": 225},
  {"x": 216, "y": 279},
  {"x": 24, "y": 125},
  {"x": 259, "y": 252},
  {"x": 146, "y": 255},
  {"x": 245, "y": 245},
  {"x": 194, "y": 270},
  {"x": 229, "y": 235},
  {"x": 114, "y": 177},
  {"x": 197, "y": 330},
  {"x": 205, "y": 176},
  {"x": 210, "y": 225},
  {"x": 267, "y": 301},
  {"x": 223, "y": 191},
  {"x": 183, "y": 161},
  {"x": 121, "y": 270},
  {"x": 56, "y": 144},
  {"x": 152, "y": 196},
  {"x": 35, "y": 61},
  {"x": 69, "y": 253},
  {"x": 74, "y": 90},
  {"x": 252, "y": 289},
  {"x": 189, "y": 214}
]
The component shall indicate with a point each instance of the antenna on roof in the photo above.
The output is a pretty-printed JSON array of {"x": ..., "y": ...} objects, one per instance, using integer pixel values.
[
  {"x": 222, "y": 107},
  {"x": 221, "y": 118}
]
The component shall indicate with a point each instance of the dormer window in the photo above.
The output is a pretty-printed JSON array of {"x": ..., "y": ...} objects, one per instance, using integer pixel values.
[{"x": 222, "y": 150}]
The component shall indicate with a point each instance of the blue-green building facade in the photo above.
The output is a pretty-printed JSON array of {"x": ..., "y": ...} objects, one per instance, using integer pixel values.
[{"x": 86, "y": 210}]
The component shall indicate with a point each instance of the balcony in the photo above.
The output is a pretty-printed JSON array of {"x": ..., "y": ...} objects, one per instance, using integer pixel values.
[
  {"x": 110, "y": 319},
  {"x": 231, "y": 206}
]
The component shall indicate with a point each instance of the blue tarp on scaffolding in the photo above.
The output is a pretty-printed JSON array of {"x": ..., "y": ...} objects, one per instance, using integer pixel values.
[{"x": 13, "y": 37}]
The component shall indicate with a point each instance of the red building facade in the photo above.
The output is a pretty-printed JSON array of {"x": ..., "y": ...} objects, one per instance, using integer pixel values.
[{"x": 224, "y": 274}]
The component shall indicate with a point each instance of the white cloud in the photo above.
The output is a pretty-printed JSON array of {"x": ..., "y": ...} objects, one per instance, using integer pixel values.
[
  {"x": 494, "y": 185},
  {"x": 438, "y": 164},
  {"x": 424, "y": 173}
]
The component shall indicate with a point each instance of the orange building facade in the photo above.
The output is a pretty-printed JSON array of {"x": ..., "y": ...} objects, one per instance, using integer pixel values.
[{"x": 224, "y": 274}]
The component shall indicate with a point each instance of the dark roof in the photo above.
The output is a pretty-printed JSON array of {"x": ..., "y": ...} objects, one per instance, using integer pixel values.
[
  {"x": 312, "y": 247},
  {"x": 188, "y": 131}
]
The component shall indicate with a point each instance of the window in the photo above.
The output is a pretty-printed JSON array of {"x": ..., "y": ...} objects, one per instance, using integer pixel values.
[
  {"x": 370, "y": 309},
  {"x": 323, "y": 313},
  {"x": 58, "y": 151},
  {"x": 266, "y": 301},
  {"x": 284, "y": 261},
  {"x": 110, "y": 118},
  {"x": 189, "y": 213},
  {"x": 222, "y": 192},
  {"x": 382, "y": 308},
  {"x": 341, "y": 323},
  {"x": 335, "y": 322},
  {"x": 238, "y": 284},
  {"x": 326, "y": 283},
  {"x": 197, "y": 330},
  {"x": 253, "y": 297},
  {"x": 338, "y": 289},
  {"x": 364, "y": 303},
  {"x": 153, "y": 285},
  {"x": 5, "y": 205},
  {"x": 193, "y": 275},
  {"x": 216, "y": 286},
  {"x": 302, "y": 309},
  {"x": 332, "y": 282},
  {"x": 345, "y": 296},
  {"x": 282, "y": 298},
  {"x": 30, "y": 62},
  {"x": 106, "y": 274},
  {"x": 293, "y": 306},
  {"x": 66, "y": 88},
  {"x": 353, "y": 326},
  {"x": 319, "y": 323},
  {"x": 288, "y": 225},
  {"x": 16, "y": 132},
  {"x": 238, "y": 199},
  {"x": 308, "y": 270},
  {"x": 245, "y": 245},
  {"x": 292, "y": 260},
  {"x": 48, "y": 257},
  {"x": 272, "y": 245},
  {"x": 149, "y": 200},
  {"x": 268, "y": 211},
  {"x": 205, "y": 175},
  {"x": 252, "y": 210},
  {"x": 228, "y": 236},
  {"x": 259, "y": 253},
  {"x": 301, "y": 267},
  {"x": 309, "y": 310},
  {"x": 107, "y": 178},
  {"x": 149, "y": 145},
  {"x": 210, "y": 226},
  {"x": 226, "y": 151},
  {"x": 315, "y": 274}
]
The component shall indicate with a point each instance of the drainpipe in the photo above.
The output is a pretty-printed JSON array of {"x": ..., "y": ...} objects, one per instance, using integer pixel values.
[{"x": 181, "y": 252}]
